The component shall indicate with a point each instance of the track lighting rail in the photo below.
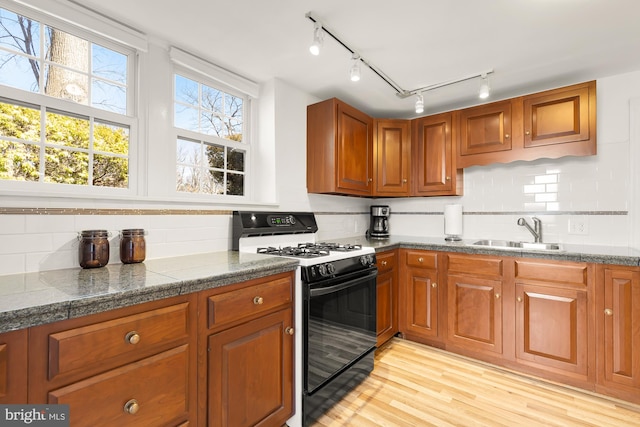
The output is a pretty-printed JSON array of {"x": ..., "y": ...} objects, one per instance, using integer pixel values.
[{"x": 400, "y": 92}]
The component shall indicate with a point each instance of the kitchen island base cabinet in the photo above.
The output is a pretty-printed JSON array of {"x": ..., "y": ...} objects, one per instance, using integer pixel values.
[
  {"x": 13, "y": 367},
  {"x": 618, "y": 329}
]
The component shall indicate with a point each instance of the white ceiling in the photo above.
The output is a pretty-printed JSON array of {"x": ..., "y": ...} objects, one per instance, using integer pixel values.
[{"x": 531, "y": 45}]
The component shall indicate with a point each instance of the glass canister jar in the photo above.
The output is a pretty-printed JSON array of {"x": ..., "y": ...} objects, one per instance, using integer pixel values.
[
  {"x": 132, "y": 246},
  {"x": 94, "y": 248}
]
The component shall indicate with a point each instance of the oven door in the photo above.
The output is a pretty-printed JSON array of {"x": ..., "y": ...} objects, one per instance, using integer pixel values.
[{"x": 340, "y": 325}]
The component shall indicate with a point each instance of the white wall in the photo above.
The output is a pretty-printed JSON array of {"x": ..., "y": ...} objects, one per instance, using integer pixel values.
[{"x": 584, "y": 185}]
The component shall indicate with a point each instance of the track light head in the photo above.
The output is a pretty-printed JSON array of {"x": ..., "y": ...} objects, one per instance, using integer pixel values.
[
  {"x": 354, "y": 71},
  {"x": 419, "y": 103},
  {"x": 318, "y": 36},
  {"x": 483, "y": 92}
]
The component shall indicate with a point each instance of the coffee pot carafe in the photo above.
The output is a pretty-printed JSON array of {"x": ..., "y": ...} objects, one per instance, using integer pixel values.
[{"x": 379, "y": 222}]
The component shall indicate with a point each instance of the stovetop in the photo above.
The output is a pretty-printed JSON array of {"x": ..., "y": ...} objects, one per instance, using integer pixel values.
[{"x": 309, "y": 250}]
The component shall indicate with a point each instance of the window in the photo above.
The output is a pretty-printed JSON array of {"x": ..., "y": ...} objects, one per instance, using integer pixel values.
[
  {"x": 211, "y": 147},
  {"x": 65, "y": 117}
]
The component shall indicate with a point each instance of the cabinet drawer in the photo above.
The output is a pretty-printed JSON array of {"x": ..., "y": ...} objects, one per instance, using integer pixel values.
[
  {"x": 475, "y": 265},
  {"x": 250, "y": 301},
  {"x": 157, "y": 385},
  {"x": 568, "y": 274},
  {"x": 127, "y": 338},
  {"x": 422, "y": 259},
  {"x": 386, "y": 261}
]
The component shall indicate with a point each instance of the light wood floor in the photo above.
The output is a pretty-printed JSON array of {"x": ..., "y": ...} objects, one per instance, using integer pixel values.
[{"x": 416, "y": 385}]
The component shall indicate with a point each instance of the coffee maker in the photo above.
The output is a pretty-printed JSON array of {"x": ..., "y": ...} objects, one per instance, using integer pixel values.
[{"x": 379, "y": 225}]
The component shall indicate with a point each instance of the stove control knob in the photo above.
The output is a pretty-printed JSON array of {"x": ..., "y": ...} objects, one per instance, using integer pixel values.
[
  {"x": 366, "y": 260},
  {"x": 291, "y": 219},
  {"x": 331, "y": 268},
  {"x": 322, "y": 269}
]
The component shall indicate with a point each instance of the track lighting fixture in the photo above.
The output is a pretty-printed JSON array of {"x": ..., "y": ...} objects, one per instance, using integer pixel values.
[
  {"x": 483, "y": 92},
  {"x": 354, "y": 72},
  {"x": 419, "y": 103},
  {"x": 318, "y": 36}
]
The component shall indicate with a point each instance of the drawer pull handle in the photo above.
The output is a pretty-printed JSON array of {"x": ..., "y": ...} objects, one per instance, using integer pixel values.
[
  {"x": 420, "y": 259},
  {"x": 132, "y": 337},
  {"x": 608, "y": 312},
  {"x": 289, "y": 330},
  {"x": 258, "y": 300},
  {"x": 131, "y": 407},
  {"x": 434, "y": 285},
  {"x": 383, "y": 263}
]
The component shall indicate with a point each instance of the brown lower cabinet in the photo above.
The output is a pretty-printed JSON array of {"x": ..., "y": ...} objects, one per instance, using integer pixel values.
[
  {"x": 387, "y": 296},
  {"x": 572, "y": 322},
  {"x": 219, "y": 357}
]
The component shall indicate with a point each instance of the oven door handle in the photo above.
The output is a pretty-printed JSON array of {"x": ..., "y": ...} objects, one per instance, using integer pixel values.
[{"x": 335, "y": 288}]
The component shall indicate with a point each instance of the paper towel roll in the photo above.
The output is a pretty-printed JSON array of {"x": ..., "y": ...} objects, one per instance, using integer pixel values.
[{"x": 453, "y": 220}]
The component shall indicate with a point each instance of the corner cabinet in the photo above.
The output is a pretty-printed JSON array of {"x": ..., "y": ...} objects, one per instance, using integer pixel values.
[
  {"x": 618, "y": 331},
  {"x": 551, "y": 124},
  {"x": 387, "y": 296},
  {"x": 246, "y": 351},
  {"x": 434, "y": 157},
  {"x": 392, "y": 154},
  {"x": 339, "y": 149},
  {"x": 13, "y": 367}
]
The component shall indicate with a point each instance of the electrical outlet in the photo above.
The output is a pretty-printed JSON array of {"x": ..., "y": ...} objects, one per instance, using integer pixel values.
[{"x": 578, "y": 226}]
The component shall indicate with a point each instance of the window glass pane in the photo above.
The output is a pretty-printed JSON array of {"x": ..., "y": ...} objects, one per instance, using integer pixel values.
[
  {"x": 212, "y": 125},
  {"x": 188, "y": 179},
  {"x": 67, "y": 131},
  {"x": 235, "y": 130},
  {"x": 19, "y": 162},
  {"x": 233, "y": 106},
  {"x": 66, "y": 84},
  {"x": 19, "y": 34},
  {"x": 110, "y": 171},
  {"x": 186, "y": 118},
  {"x": 217, "y": 179},
  {"x": 108, "y": 64},
  {"x": 66, "y": 49},
  {"x": 186, "y": 90},
  {"x": 16, "y": 71},
  {"x": 66, "y": 167},
  {"x": 109, "y": 96},
  {"x": 212, "y": 99},
  {"x": 188, "y": 152},
  {"x": 215, "y": 156},
  {"x": 110, "y": 138},
  {"x": 19, "y": 122},
  {"x": 235, "y": 184},
  {"x": 235, "y": 160}
]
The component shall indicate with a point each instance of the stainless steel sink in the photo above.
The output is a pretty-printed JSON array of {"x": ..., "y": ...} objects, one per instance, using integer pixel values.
[{"x": 509, "y": 244}]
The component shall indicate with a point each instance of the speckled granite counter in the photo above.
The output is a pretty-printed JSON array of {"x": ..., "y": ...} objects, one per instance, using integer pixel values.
[
  {"x": 569, "y": 252},
  {"x": 48, "y": 296}
]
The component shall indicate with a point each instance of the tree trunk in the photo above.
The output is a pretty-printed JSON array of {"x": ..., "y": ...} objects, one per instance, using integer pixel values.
[{"x": 73, "y": 52}]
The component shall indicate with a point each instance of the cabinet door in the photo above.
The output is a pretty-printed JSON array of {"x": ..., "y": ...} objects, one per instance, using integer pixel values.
[
  {"x": 354, "y": 156},
  {"x": 392, "y": 151},
  {"x": 485, "y": 129},
  {"x": 420, "y": 315},
  {"x": 551, "y": 327},
  {"x": 387, "y": 297},
  {"x": 434, "y": 157},
  {"x": 618, "y": 322},
  {"x": 475, "y": 314},
  {"x": 13, "y": 367},
  {"x": 557, "y": 117},
  {"x": 250, "y": 373}
]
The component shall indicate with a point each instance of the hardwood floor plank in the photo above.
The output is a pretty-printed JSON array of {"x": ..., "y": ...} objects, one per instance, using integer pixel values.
[{"x": 414, "y": 385}]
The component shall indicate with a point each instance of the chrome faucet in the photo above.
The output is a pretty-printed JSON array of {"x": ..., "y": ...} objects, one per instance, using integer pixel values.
[{"x": 536, "y": 230}]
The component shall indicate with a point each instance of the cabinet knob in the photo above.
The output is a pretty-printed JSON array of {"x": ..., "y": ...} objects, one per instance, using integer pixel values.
[
  {"x": 420, "y": 259},
  {"x": 497, "y": 296},
  {"x": 506, "y": 136},
  {"x": 383, "y": 263},
  {"x": 404, "y": 181},
  {"x": 370, "y": 180},
  {"x": 434, "y": 285},
  {"x": 289, "y": 330},
  {"x": 448, "y": 178},
  {"x": 258, "y": 300},
  {"x": 132, "y": 337},
  {"x": 527, "y": 132},
  {"x": 608, "y": 312},
  {"x": 519, "y": 299},
  {"x": 131, "y": 407}
]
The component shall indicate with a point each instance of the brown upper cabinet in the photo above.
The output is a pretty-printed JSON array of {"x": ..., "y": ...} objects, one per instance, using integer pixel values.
[
  {"x": 339, "y": 149},
  {"x": 434, "y": 157},
  {"x": 551, "y": 124},
  {"x": 392, "y": 154}
]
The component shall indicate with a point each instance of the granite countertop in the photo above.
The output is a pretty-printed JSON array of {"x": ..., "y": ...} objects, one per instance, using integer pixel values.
[{"x": 37, "y": 298}]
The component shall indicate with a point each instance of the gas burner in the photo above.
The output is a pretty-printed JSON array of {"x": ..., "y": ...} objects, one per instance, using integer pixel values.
[
  {"x": 339, "y": 247},
  {"x": 297, "y": 252}
]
